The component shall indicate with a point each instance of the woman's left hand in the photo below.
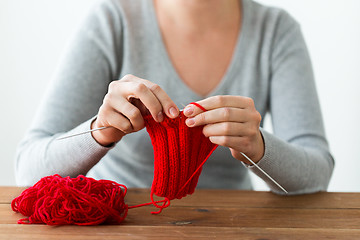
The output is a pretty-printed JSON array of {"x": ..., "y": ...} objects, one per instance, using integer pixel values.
[{"x": 231, "y": 121}]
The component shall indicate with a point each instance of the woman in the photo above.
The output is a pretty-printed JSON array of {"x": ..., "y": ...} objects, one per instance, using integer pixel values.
[{"x": 238, "y": 59}]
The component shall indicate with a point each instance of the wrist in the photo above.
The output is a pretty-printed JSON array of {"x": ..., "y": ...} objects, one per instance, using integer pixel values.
[
  {"x": 258, "y": 154},
  {"x": 261, "y": 148},
  {"x": 102, "y": 136}
]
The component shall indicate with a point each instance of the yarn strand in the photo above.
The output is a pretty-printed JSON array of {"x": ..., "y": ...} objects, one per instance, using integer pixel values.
[
  {"x": 179, "y": 155},
  {"x": 199, "y": 106}
]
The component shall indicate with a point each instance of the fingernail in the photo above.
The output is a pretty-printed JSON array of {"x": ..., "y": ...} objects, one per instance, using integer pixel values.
[
  {"x": 160, "y": 117},
  {"x": 173, "y": 112},
  {"x": 188, "y": 110},
  {"x": 190, "y": 122}
]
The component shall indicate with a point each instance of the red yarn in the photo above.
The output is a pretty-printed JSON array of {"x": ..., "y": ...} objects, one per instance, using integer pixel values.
[
  {"x": 179, "y": 154},
  {"x": 81, "y": 201},
  {"x": 199, "y": 106}
]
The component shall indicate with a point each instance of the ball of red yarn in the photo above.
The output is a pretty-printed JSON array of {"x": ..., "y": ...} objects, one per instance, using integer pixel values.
[{"x": 81, "y": 201}]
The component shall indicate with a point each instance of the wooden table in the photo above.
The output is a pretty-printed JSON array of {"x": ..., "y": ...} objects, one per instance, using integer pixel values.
[{"x": 210, "y": 214}]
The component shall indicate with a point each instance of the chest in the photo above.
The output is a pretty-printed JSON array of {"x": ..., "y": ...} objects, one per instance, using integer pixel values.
[{"x": 200, "y": 60}]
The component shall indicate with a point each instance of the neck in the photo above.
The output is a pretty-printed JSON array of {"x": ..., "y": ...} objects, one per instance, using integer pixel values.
[{"x": 199, "y": 14}]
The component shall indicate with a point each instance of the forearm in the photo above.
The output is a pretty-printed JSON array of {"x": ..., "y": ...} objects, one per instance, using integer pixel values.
[
  {"x": 298, "y": 167},
  {"x": 40, "y": 154}
]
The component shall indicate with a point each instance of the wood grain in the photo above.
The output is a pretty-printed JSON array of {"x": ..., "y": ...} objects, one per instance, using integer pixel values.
[
  {"x": 176, "y": 232},
  {"x": 207, "y": 214},
  {"x": 224, "y": 217},
  {"x": 231, "y": 198}
]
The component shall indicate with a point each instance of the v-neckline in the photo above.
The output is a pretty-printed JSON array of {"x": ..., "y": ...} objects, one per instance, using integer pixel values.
[{"x": 231, "y": 68}]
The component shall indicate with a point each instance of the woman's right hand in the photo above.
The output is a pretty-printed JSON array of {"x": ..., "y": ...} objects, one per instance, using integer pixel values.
[{"x": 127, "y": 100}]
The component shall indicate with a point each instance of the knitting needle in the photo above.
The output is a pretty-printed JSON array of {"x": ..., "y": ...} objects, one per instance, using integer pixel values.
[
  {"x": 88, "y": 131},
  {"x": 252, "y": 162},
  {"x": 81, "y": 133}
]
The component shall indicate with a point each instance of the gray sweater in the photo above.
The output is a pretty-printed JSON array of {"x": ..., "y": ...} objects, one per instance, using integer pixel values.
[{"x": 270, "y": 64}]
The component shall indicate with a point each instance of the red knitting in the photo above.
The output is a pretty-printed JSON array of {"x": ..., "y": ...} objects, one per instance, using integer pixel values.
[{"x": 179, "y": 153}]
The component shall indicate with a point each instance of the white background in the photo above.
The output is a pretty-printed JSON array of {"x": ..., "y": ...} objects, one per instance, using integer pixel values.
[{"x": 34, "y": 33}]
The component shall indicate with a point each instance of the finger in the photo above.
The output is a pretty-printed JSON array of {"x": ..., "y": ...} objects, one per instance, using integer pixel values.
[
  {"x": 227, "y": 114},
  {"x": 143, "y": 93},
  {"x": 169, "y": 107},
  {"x": 109, "y": 117},
  {"x": 240, "y": 144},
  {"x": 219, "y": 102},
  {"x": 137, "y": 103},
  {"x": 120, "y": 105},
  {"x": 226, "y": 129},
  {"x": 131, "y": 112}
]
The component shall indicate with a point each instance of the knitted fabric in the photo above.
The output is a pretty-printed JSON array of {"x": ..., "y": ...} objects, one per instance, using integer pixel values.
[{"x": 179, "y": 153}]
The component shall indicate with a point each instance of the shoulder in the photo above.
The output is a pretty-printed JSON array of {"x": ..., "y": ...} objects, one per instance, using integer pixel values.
[
  {"x": 114, "y": 14},
  {"x": 269, "y": 19},
  {"x": 272, "y": 28},
  {"x": 112, "y": 8}
]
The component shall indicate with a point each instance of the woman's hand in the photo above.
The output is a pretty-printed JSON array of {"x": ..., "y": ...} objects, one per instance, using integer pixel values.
[
  {"x": 124, "y": 105},
  {"x": 231, "y": 121}
]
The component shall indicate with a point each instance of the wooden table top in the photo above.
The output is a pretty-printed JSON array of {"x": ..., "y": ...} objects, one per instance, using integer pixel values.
[{"x": 222, "y": 214}]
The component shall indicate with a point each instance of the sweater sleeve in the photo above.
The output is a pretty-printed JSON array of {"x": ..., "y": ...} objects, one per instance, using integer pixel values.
[
  {"x": 297, "y": 155},
  {"x": 75, "y": 93}
]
